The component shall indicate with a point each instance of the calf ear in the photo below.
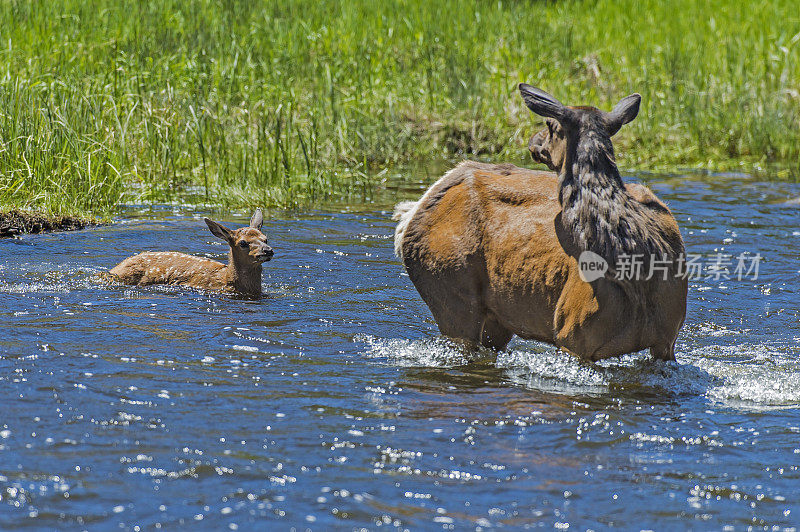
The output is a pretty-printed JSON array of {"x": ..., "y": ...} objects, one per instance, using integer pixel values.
[
  {"x": 625, "y": 111},
  {"x": 542, "y": 103},
  {"x": 219, "y": 230},
  {"x": 257, "y": 220}
]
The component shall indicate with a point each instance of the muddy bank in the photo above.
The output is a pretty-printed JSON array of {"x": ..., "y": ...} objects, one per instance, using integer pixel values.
[{"x": 15, "y": 222}]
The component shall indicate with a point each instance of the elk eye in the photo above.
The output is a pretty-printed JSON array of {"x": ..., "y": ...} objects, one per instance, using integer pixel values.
[{"x": 243, "y": 244}]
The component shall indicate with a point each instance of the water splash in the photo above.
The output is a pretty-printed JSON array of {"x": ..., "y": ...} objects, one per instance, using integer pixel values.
[
  {"x": 435, "y": 352},
  {"x": 746, "y": 376}
]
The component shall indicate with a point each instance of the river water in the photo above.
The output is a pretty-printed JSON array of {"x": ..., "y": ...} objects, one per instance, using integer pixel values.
[{"x": 332, "y": 401}]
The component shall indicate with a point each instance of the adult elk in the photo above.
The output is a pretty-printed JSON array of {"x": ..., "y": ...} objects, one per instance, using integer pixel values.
[
  {"x": 494, "y": 249},
  {"x": 242, "y": 275}
]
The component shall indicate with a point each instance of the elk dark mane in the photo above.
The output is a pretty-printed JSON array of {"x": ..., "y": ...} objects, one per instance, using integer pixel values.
[{"x": 598, "y": 211}]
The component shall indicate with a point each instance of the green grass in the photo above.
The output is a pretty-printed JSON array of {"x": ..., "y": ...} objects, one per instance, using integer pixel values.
[{"x": 294, "y": 102}]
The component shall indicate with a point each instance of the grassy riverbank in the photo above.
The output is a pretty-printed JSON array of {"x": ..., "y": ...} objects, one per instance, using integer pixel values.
[{"x": 290, "y": 102}]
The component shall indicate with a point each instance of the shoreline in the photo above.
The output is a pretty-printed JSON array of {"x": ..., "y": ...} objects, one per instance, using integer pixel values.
[
  {"x": 15, "y": 222},
  {"x": 389, "y": 189}
]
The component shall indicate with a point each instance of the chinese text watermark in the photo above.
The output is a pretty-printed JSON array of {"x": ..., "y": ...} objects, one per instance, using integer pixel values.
[{"x": 691, "y": 266}]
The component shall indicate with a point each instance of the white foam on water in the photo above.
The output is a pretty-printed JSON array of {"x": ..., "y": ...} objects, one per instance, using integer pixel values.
[
  {"x": 750, "y": 376},
  {"x": 248, "y": 348},
  {"x": 549, "y": 369},
  {"x": 436, "y": 352},
  {"x": 742, "y": 376},
  {"x": 49, "y": 278}
]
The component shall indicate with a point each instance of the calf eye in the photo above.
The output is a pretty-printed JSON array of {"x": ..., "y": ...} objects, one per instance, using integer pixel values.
[{"x": 243, "y": 244}]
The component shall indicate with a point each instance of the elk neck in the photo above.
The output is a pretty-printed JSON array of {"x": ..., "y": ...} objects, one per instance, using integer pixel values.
[
  {"x": 243, "y": 275},
  {"x": 597, "y": 210}
]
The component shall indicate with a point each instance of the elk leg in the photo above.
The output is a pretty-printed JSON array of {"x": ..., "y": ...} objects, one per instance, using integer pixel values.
[
  {"x": 462, "y": 326},
  {"x": 454, "y": 300},
  {"x": 493, "y": 334},
  {"x": 457, "y": 316},
  {"x": 663, "y": 352}
]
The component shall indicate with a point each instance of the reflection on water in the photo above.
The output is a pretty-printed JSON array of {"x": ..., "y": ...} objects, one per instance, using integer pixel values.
[{"x": 333, "y": 402}]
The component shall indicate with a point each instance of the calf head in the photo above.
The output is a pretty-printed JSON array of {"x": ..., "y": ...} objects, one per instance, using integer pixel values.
[{"x": 248, "y": 244}]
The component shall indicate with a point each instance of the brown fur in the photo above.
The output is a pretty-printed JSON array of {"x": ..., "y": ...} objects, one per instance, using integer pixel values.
[
  {"x": 248, "y": 250},
  {"x": 488, "y": 251}
]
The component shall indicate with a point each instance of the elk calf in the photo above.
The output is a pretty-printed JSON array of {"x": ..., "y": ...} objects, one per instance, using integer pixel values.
[
  {"x": 248, "y": 251},
  {"x": 494, "y": 249}
]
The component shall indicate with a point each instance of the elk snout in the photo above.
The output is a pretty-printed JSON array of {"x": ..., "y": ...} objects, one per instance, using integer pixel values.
[
  {"x": 539, "y": 152},
  {"x": 266, "y": 254}
]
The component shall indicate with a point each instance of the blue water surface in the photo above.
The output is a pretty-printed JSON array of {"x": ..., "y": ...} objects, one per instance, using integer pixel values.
[{"x": 333, "y": 402}]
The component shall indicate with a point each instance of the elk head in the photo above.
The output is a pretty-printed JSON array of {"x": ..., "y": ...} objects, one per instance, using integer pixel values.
[
  {"x": 248, "y": 244},
  {"x": 566, "y": 126}
]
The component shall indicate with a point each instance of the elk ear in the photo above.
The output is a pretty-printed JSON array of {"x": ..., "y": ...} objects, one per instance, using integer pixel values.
[
  {"x": 542, "y": 103},
  {"x": 257, "y": 220},
  {"x": 219, "y": 230},
  {"x": 625, "y": 111}
]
